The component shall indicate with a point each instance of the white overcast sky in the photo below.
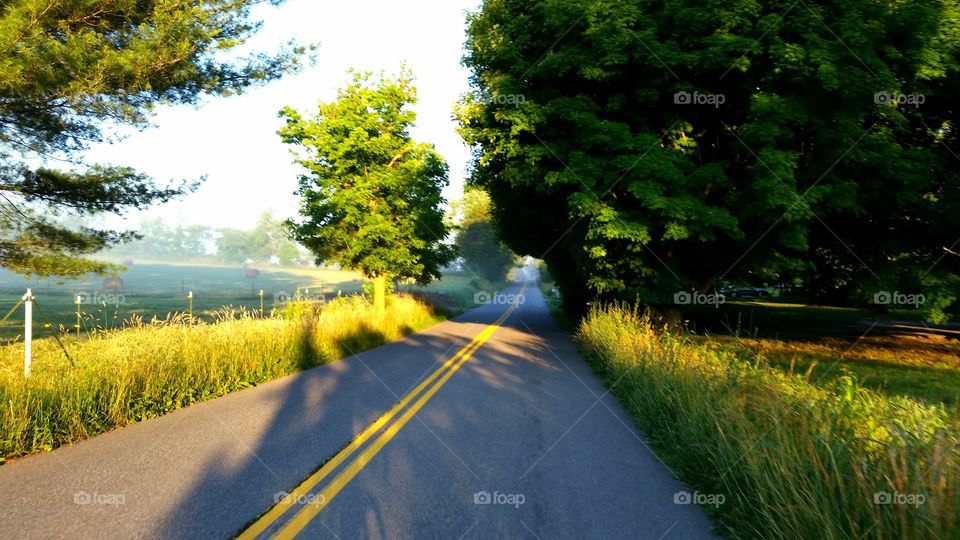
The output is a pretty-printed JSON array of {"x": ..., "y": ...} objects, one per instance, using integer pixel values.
[{"x": 233, "y": 141}]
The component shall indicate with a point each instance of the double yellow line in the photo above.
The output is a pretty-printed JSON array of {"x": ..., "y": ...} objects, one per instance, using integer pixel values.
[{"x": 425, "y": 390}]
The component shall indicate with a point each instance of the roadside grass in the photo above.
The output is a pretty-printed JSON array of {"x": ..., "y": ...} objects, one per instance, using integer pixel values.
[
  {"x": 151, "y": 368},
  {"x": 790, "y": 459}
]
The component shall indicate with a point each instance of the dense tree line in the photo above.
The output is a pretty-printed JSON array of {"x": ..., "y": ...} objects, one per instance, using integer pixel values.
[
  {"x": 267, "y": 240},
  {"x": 646, "y": 148}
]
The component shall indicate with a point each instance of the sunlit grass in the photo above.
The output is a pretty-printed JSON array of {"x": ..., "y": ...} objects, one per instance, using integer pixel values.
[
  {"x": 792, "y": 459},
  {"x": 149, "y": 369}
]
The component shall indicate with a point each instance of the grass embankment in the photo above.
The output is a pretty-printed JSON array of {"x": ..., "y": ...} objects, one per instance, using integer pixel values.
[
  {"x": 147, "y": 370},
  {"x": 790, "y": 458}
]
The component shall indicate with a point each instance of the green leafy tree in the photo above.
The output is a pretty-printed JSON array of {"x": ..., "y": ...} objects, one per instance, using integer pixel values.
[
  {"x": 70, "y": 73},
  {"x": 646, "y": 148},
  {"x": 277, "y": 236},
  {"x": 235, "y": 245},
  {"x": 269, "y": 237},
  {"x": 371, "y": 194},
  {"x": 476, "y": 241}
]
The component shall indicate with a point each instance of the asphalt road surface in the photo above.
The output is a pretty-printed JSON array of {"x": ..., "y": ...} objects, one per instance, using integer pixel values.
[{"x": 469, "y": 429}]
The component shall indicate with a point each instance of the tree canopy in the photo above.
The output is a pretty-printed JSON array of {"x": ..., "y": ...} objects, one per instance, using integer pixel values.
[
  {"x": 643, "y": 149},
  {"x": 70, "y": 74},
  {"x": 371, "y": 194}
]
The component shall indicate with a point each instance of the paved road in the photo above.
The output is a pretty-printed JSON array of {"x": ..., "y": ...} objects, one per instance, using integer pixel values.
[{"x": 516, "y": 440}]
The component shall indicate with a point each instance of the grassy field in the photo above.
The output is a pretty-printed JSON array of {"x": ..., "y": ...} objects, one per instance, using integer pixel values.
[
  {"x": 117, "y": 377},
  {"x": 781, "y": 456},
  {"x": 158, "y": 289},
  {"x": 781, "y": 318},
  {"x": 826, "y": 344}
]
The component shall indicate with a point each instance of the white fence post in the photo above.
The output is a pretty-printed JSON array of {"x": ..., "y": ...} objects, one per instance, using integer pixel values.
[{"x": 27, "y": 332}]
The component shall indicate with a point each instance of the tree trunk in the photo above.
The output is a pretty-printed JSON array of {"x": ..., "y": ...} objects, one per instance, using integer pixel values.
[{"x": 380, "y": 292}]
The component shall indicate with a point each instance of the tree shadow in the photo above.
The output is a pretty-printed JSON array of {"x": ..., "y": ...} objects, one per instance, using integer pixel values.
[{"x": 297, "y": 423}]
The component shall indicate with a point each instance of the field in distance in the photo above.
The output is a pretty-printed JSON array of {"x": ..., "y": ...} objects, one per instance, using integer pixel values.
[{"x": 156, "y": 289}]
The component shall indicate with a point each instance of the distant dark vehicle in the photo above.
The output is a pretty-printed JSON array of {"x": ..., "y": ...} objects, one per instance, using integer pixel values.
[
  {"x": 741, "y": 292},
  {"x": 793, "y": 290}
]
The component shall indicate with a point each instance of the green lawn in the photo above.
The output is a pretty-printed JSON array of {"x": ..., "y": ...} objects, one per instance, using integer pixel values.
[
  {"x": 780, "y": 318},
  {"x": 827, "y": 343}
]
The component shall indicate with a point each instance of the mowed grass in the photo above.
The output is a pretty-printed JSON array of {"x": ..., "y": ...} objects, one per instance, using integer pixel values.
[
  {"x": 157, "y": 289},
  {"x": 829, "y": 343},
  {"x": 922, "y": 367},
  {"x": 160, "y": 289},
  {"x": 785, "y": 458},
  {"x": 782, "y": 318},
  {"x": 123, "y": 376},
  {"x": 458, "y": 288}
]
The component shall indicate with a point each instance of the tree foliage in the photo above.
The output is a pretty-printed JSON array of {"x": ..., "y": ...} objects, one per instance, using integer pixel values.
[
  {"x": 482, "y": 252},
  {"x": 71, "y": 73},
  {"x": 667, "y": 146},
  {"x": 371, "y": 194},
  {"x": 270, "y": 237}
]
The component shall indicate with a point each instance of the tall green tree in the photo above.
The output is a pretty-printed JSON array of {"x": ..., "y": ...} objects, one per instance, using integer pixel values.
[
  {"x": 371, "y": 194},
  {"x": 482, "y": 252},
  {"x": 645, "y": 148},
  {"x": 70, "y": 73}
]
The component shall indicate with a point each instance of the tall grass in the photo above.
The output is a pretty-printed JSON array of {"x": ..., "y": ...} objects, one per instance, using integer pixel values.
[
  {"x": 791, "y": 459},
  {"x": 149, "y": 369}
]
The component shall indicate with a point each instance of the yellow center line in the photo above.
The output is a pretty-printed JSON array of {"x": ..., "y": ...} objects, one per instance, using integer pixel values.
[
  {"x": 302, "y": 518},
  {"x": 265, "y": 521}
]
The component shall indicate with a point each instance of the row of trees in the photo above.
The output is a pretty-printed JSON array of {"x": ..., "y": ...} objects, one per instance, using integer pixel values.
[
  {"x": 673, "y": 146},
  {"x": 267, "y": 240}
]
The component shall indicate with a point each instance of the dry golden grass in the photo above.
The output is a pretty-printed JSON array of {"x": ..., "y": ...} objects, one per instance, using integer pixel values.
[{"x": 149, "y": 369}]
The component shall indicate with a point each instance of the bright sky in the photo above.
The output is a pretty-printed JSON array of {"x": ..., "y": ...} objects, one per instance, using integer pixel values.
[{"x": 233, "y": 140}]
